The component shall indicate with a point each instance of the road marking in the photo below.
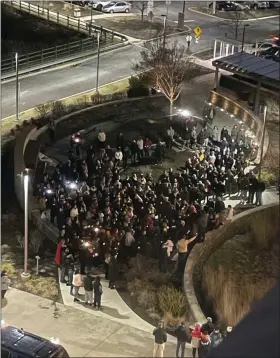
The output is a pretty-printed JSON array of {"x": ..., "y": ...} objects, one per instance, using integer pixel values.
[{"x": 176, "y": 22}]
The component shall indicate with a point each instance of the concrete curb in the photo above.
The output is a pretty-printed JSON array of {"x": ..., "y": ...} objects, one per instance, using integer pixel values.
[
  {"x": 192, "y": 9},
  {"x": 222, "y": 235}
]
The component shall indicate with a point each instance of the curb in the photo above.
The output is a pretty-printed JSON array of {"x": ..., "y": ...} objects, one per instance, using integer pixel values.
[{"x": 192, "y": 9}]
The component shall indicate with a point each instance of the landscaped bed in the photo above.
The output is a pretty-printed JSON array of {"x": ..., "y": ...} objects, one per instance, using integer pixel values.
[{"x": 135, "y": 27}]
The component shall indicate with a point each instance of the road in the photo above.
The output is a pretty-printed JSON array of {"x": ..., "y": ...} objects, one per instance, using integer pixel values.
[{"x": 115, "y": 65}]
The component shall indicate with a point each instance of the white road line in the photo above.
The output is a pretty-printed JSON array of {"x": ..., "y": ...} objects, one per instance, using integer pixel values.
[{"x": 176, "y": 22}]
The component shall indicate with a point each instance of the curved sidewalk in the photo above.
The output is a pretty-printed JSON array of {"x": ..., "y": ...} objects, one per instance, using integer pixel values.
[{"x": 82, "y": 334}]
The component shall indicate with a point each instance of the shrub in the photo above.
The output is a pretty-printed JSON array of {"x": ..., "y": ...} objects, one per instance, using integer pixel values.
[
  {"x": 10, "y": 268},
  {"x": 58, "y": 109},
  {"x": 137, "y": 87},
  {"x": 44, "y": 109},
  {"x": 36, "y": 240},
  {"x": 172, "y": 303},
  {"x": 144, "y": 293}
]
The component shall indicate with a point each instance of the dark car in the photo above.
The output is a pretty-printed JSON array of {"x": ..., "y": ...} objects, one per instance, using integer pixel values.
[
  {"x": 273, "y": 4},
  {"x": 270, "y": 53},
  {"x": 223, "y": 6},
  {"x": 16, "y": 343}
]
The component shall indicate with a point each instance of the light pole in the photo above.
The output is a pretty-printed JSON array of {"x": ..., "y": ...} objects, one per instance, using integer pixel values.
[
  {"x": 17, "y": 89},
  {"x": 262, "y": 142},
  {"x": 184, "y": 6},
  {"x": 243, "y": 37},
  {"x": 25, "y": 273},
  {"x": 164, "y": 29},
  {"x": 98, "y": 58},
  {"x": 90, "y": 20}
]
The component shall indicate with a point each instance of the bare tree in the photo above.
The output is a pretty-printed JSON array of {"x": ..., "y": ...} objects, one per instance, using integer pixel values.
[
  {"x": 141, "y": 6},
  {"x": 167, "y": 66},
  {"x": 236, "y": 21}
]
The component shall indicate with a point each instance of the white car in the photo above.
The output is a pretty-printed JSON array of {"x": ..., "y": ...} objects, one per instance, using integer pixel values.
[
  {"x": 117, "y": 6},
  {"x": 98, "y": 5}
]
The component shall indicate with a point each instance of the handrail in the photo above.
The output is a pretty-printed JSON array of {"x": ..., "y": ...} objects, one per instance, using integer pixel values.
[{"x": 107, "y": 37}]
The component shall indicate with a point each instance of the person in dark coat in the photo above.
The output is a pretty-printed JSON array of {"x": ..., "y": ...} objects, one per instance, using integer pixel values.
[
  {"x": 97, "y": 290},
  {"x": 88, "y": 286},
  {"x": 182, "y": 339},
  {"x": 208, "y": 326},
  {"x": 201, "y": 224},
  {"x": 113, "y": 271}
]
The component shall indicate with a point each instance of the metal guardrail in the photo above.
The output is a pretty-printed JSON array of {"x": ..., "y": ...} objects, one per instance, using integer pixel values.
[{"x": 60, "y": 52}]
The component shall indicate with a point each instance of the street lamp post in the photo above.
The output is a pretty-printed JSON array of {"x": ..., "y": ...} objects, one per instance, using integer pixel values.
[
  {"x": 164, "y": 29},
  {"x": 90, "y": 20},
  {"x": 17, "y": 88},
  {"x": 25, "y": 273},
  {"x": 243, "y": 37},
  {"x": 98, "y": 61},
  {"x": 184, "y": 6},
  {"x": 262, "y": 142}
]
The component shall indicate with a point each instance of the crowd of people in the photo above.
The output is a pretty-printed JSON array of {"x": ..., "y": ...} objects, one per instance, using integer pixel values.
[
  {"x": 203, "y": 338},
  {"x": 105, "y": 216}
]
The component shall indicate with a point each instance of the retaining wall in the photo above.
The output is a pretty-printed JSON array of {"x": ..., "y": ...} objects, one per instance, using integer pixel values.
[
  {"x": 201, "y": 253},
  {"x": 119, "y": 111}
]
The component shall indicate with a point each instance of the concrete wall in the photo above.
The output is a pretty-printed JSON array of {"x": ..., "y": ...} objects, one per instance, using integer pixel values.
[
  {"x": 201, "y": 253},
  {"x": 119, "y": 111}
]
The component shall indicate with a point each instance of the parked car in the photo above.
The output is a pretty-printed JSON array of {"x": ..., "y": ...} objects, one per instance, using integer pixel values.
[
  {"x": 272, "y": 53},
  {"x": 117, "y": 6},
  {"x": 16, "y": 343},
  {"x": 80, "y": 3},
  {"x": 240, "y": 6},
  {"x": 223, "y": 6},
  {"x": 255, "y": 4},
  {"x": 273, "y": 4},
  {"x": 98, "y": 5}
]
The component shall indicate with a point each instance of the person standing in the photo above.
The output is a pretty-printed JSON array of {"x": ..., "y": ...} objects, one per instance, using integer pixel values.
[
  {"x": 160, "y": 340},
  {"x": 216, "y": 338},
  {"x": 88, "y": 286},
  {"x": 4, "y": 283},
  {"x": 112, "y": 271},
  {"x": 97, "y": 289},
  {"x": 208, "y": 326},
  {"x": 260, "y": 188},
  {"x": 205, "y": 345},
  {"x": 77, "y": 283},
  {"x": 196, "y": 337},
  {"x": 140, "y": 145},
  {"x": 182, "y": 338}
]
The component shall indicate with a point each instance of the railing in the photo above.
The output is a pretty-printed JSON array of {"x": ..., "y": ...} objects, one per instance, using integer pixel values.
[
  {"x": 49, "y": 55},
  {"x": 61, "y": 51}
]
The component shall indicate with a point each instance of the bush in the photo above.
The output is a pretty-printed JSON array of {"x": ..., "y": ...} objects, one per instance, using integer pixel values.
[
  {"x": 10, "y": 268},
  {"x": 58, "y": 109},
  {"x": 36, "y": 240},
  {"x": 44, "y": 109},
  {"x": 137, "y": 87},
  {"x": 144, "y": 293},
  {"x": 172, "y": 303}
]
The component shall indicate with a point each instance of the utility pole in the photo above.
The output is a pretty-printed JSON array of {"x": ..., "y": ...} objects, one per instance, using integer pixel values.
[
  {"x": 262, "y": 142},
  {"x": 184, "y": 6},
  {"x": 90, "y": 20},
  {"x": 98, "y": 59},
  {"x": 214, "y": 8},
  {"x": 164, "y": 29},
  {"x": 17, "y": 88},
  {"x": 243, "y": 37}
]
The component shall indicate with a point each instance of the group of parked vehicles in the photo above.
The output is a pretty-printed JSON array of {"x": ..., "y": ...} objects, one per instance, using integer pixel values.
[
  {"x": 269, "y": 49},
  {"x": 245, "y": 5},
  {"x": 105, "y": 6}
]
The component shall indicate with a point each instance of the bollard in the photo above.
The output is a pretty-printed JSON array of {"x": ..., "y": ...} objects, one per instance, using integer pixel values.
[
  {"x": 37, "y": 264},
  {"x": 57, "y": 17}
]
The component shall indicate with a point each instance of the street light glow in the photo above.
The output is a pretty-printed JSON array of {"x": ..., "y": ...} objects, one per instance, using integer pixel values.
[
  {"x": 186, "y": 113},
  {"x": 73, "y": 185}
]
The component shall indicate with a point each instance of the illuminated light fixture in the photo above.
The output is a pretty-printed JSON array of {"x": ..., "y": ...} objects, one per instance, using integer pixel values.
[
  {"x": 73, "y": 185},
  {"x": 186, "y": 113},
  {"x": 222, "y": 110},
  {"x": 232, "y": 115},
  {"x": 210, "y": 104},
  {"x": 96, "y": 229},
  {"x": 240, "y": 121}
]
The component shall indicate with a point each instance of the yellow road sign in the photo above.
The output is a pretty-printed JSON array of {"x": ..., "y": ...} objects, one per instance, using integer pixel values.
[{"x": 197, "y": 30}]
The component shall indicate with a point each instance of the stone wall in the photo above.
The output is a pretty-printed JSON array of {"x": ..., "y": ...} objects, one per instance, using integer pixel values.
[
  {"x": 119, "y": 111},
  {"x": 201, "y": 253}
]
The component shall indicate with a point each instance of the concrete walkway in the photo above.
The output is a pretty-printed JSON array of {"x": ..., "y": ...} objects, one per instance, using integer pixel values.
[{"x": 82, "y": 334}]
